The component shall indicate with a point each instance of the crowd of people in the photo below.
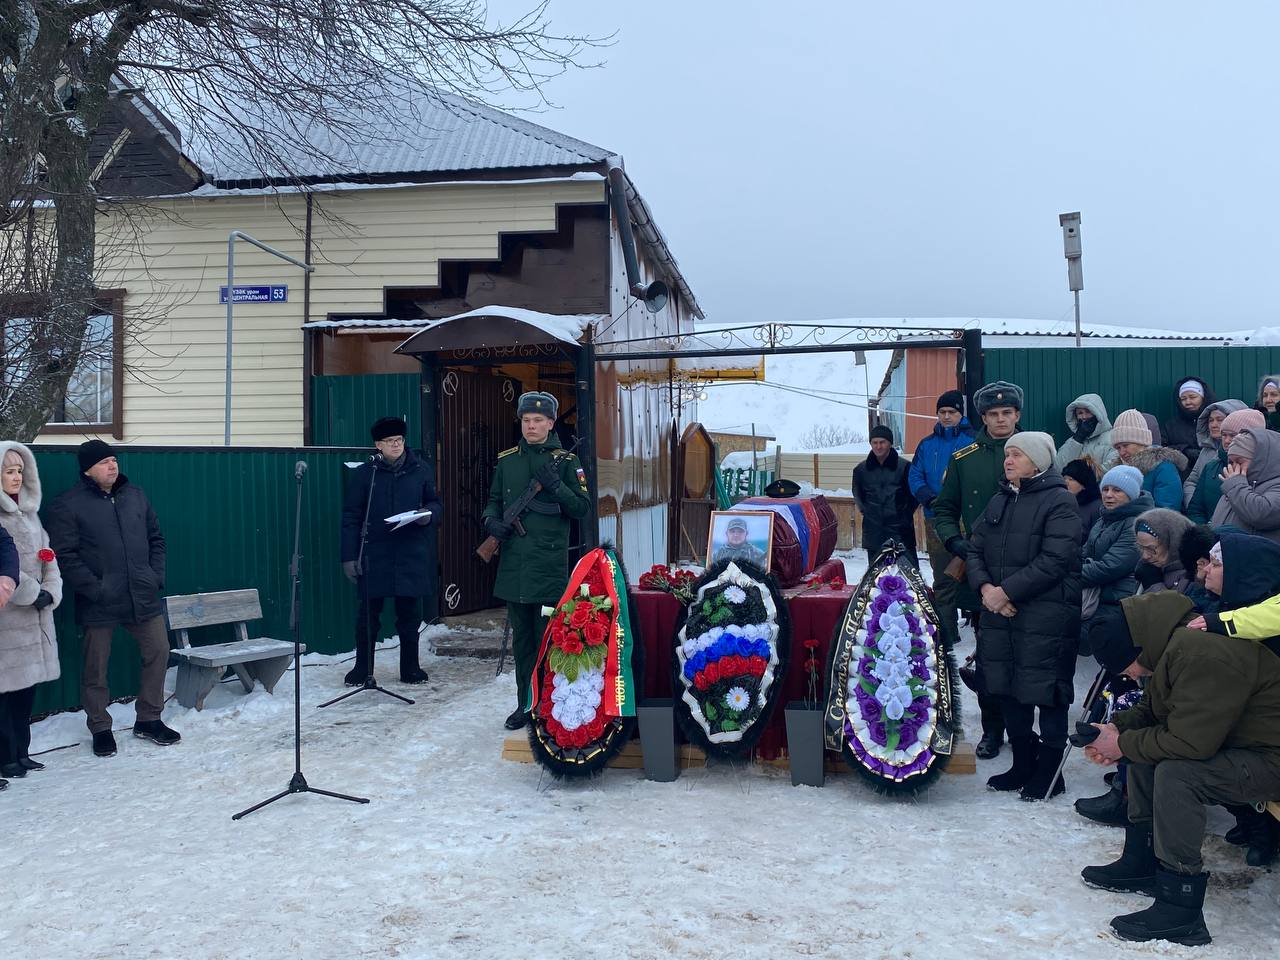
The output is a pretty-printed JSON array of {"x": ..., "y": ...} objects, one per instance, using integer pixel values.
[{"x": 1154, "y": 550}]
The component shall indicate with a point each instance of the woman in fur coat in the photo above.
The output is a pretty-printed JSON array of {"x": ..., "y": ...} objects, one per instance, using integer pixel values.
[{"x": 28, "y": 645}]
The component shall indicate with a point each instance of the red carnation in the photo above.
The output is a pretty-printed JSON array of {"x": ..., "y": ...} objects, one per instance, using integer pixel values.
[
  {"x": 713, "y": 672},
  {"x": 594, "y": 633},
  {"x": 700, "y": 680},
  {"x": 45, "y": 555}
]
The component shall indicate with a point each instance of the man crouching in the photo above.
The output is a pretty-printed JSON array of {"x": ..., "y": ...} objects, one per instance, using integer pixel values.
[{"x": 1206, "y": 731}]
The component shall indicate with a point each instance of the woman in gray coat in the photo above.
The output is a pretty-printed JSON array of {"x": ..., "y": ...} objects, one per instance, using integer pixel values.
[
  {"x": 28, "y": 644},
  {"x": 1251, "y": 485}
]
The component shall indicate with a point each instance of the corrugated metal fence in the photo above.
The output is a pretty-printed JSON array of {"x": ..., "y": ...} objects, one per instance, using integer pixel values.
[
  {"x": 344, "y": 407},
  {"x": 227, "y": 518},
  {"x": 1140, "y": 378}
]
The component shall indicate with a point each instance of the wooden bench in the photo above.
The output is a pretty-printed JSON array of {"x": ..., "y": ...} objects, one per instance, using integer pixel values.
[{"x": 256, "y": 659}]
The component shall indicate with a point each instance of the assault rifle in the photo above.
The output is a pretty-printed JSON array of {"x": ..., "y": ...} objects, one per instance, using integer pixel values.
[{"x": 511, "y": 516}]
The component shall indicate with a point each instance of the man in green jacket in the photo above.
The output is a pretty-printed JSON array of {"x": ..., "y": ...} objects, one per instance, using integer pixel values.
[
  {"x": 971, "y": 479},
  {"x": 1206, "y": 731},
  {"x": 533, "y": 568}
]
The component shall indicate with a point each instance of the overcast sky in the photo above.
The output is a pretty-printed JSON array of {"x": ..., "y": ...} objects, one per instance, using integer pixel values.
[{"x": 842, "y": 159}]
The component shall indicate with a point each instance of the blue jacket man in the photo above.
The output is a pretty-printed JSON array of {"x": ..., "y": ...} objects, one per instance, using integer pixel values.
[{"x": 951, "y": 433}]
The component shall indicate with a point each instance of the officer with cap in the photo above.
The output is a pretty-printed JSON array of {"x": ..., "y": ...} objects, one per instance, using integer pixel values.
[
  {"x": 737, "y": 546},
  {"x": 533, "y": 569},
  {"x": 398, "y": 562}
]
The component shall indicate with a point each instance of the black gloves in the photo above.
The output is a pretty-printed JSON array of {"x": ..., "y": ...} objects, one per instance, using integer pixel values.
[
  {"x": 548, "y": 476},
  {"x": 927, "y": 501},
  {"x": 958, "y": 547},
  {"x": 42, "y": 600},
  {"x": 495, "y": 528}
]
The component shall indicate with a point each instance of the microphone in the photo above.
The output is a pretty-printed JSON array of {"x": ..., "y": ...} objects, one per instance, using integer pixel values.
[
  {"x": 376, "y": 458},
  {"x": 299, "y": 469}
]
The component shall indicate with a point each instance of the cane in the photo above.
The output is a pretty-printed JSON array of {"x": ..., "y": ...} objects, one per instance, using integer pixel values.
[{"x": 1095, "y": 691}]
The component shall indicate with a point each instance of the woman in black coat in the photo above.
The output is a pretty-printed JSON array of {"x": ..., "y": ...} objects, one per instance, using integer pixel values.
[
  {"x": 399, "y": 561},
  {"x": 1024, "y": 560}
]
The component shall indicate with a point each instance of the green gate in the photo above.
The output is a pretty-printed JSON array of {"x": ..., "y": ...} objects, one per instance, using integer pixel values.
[
  {"x": 342, "y": 408},
  {"x": 1140, "y": 378},
  {"x": 227, "y": 518}
]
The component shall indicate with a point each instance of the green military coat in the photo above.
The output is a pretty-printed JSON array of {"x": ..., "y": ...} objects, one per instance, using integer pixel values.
[
  {"x": 970, "y": 481},
  {"x": 535, "y": 568}
]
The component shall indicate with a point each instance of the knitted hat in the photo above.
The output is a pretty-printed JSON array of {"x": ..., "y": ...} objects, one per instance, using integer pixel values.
[
  {"x": 1037, "y": 446},
  {"x": 1245, "y": 445},
  {"x": 1124, "y": 478},
  {"x": 1131, "y": 427},
  {"x": 388, "y": 427},
  {"x": 881, "y": 432},
  {"x": 92, "y": 452},
  {"x": 1082, "y": 472},
  {"x": 1249, "y": 419},
  {"x": 953, "y": 399},
  {"x": 543, "y": 403},
  {"x": 1191, "y": 386},
  {"x": 998, "y": 394}
]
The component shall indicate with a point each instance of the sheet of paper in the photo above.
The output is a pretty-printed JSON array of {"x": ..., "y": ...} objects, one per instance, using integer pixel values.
[{"x": 400, "y": 519}]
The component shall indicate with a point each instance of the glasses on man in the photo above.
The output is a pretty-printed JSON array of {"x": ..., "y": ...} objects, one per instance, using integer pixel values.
[{"x": 392, "y": 441}]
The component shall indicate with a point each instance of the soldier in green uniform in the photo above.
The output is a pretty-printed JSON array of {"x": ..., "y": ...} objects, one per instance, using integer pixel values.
[
  {"x": 533, "y": 569},
  {"x": 971, "y": 479}
]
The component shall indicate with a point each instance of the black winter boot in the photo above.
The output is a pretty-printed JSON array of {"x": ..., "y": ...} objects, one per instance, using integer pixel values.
[
  {"x": 1264, "y": 840},
  {"x": 104, "y": 744},
  {"x": 156, "y": 732},
  {"x": 1134, "y": 872},
  {"x": 1045, "y": 775},
  {"x": 516, "y": 720},
  {"x": 356, "y": 675},
  {"x": 1239, "y": 834},
  {"x": 1024, "y": 765},
  {"x": 31, "y": 764},
  {"x": 410, "y": 670},
  {"x": 1111, "y": 809},
  {"x": 1176, "y": 916},
  {"x": 15, "y": 770}
]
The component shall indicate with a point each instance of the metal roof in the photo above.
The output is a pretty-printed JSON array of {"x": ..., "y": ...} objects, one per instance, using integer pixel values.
[{"x": 433, "y": 133}]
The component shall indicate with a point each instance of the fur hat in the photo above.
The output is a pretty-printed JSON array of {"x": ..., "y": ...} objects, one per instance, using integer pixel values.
[
  {"x": 536, "y": 402},
  {"x": 1124, "y": 477},
  {"x": 1195, "y": 546},
  {"x": 388, "y": 427},
  {"x": 1083, "y": 471},
  {"x": 93, "y": 452},
  {"x": 953, "y": 399},
  {"x": 998, "y": 394},
  {"x": 1131, "y": 427},
  {"x": 1037, "y": 446}
]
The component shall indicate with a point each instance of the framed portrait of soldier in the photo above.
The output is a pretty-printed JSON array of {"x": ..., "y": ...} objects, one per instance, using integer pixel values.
[{"x": 741, "y": 536}]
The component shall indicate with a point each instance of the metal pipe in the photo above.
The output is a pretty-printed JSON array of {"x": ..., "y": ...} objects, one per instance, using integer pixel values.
[
  {"x": 232, "y": 237},
  {"x": 618, "y": 200}
]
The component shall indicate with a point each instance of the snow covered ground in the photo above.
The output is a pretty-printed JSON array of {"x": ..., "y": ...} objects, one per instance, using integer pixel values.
[{"x": 462, "y": 854}]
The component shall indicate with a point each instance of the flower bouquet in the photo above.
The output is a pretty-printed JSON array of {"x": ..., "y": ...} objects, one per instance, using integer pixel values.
[
  {"x": 731, "y": 648},
  {"x": 892, "y": 704},
  {"x": 678, "y": 583},
  {"x": 582, "y": 694}
]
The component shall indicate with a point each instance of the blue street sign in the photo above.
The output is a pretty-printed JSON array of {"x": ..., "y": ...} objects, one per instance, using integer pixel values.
[{"x": 276, "y": 293}]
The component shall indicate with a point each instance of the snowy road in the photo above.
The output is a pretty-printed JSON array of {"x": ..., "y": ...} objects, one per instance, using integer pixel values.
[{"x": 462, "y": 854}]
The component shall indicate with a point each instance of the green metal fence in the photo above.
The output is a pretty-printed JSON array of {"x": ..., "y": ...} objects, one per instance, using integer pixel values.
[
  {"x": 1125, "y": 377},
  {"x": 227, "y": 518},
  {"x": 344, "y": 407}
]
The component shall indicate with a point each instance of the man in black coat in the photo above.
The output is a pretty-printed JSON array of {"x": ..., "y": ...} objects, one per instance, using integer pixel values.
[
  {"x": 883, "y": 494},
  {"x": 398, "y": 561},
  {"x": 110, "y": 550}
]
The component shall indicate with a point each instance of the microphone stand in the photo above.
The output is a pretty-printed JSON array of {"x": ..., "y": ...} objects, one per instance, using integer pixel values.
[
  {"x": 369, "y": 629},
  {"x": 298, "y": 783}
]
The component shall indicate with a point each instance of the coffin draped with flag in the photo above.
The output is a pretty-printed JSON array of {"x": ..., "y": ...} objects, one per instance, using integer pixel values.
[
  {"x": 582, "y": 698},
  {"x": 804, "y": 534},
  {"x": 893, "y": 701}
]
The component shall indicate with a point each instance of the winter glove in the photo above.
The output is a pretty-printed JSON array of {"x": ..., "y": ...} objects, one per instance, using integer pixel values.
[
  {"x": 1084, "y": 429},
  {"x": 927, "y": 500},
  {"x": 497, "y": 529},
  {"x": 548, "y": 476},
  {"x": 351, "y": 568},
  {"x": 958, "y": 547},
  {"x": 42, "y": 600}
]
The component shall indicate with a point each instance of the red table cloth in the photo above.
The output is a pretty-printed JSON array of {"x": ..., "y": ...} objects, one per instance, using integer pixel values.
[{"x": 815, "y": 610}]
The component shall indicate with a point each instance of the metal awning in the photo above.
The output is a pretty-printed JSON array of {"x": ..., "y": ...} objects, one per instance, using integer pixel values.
[{"x": 501, "y": 329}]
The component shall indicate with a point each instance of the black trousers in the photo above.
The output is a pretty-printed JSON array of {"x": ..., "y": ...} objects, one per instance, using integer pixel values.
[
  {"x": 369, "y": 619},
  {"x": 15, "y": 724},
  {"x": 1019, "y": 719}
]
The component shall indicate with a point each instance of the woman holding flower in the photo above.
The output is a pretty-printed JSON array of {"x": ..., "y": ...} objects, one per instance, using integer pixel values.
[
  {"x": 28, "y": 645},
  {"x": 1024, "y": 561}
]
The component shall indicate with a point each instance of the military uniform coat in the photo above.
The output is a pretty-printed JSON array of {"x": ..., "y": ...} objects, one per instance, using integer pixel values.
[
  {"x": 971, "y": 479},
  {"x": 535, "y": 568},
  {"x": 398, "y": 563}
]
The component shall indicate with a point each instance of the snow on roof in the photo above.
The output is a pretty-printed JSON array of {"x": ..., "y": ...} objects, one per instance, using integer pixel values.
[
  {"x": 365, "y": 323},
  {"x": 430, "y": 134},
  {"x": 1005, "y": 327},
  {"x": 567, "y": 328}
]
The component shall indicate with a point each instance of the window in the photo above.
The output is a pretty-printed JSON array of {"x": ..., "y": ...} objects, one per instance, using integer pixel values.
[{"x": 90, "y": 391}]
